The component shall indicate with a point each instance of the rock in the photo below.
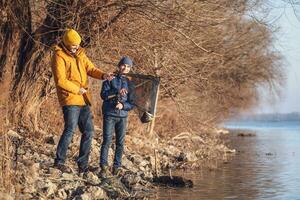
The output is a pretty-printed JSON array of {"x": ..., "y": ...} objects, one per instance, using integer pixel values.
[
  {"x": 97, "y": 192},
  {"x": 191, "y": 157},
  {"x": 28, "y": 196},
  {"x": 68, "y": 176},
  {"x": 54, "y": 172},
  {"x": 85, "y": 196},
  {"x": 52, "y": 140},
  {"x": 197, "y": 139},
  {"x": 33, "y": 173},
  {"x": 181, "y": 157},
  {"x": 21, "y": 151},
  {"x": 35, "y": 156},
  {"x": 29, "y": 189},
  {"x": 61, "y": 193},
  {"x": 147, "y": 173},
  {"x": 143, "y": 163},
  {"x": 151, "y": 159},
  {"x": 172, "y": 150},
  {"x": 50, "y": 188},
  {"x": 141, "y": 168},
  {"x": 246, "y": 134},
  {"x": 15, "y": 137},
  {"x": 14, "y": 134},
  {"x": 27, "y": 162},
  {"x": 92, "y": 178},
  {"x": 76, "y": 193},
  {"x": 130, "y": 179},
  {"x": 136, "y": 159},
  {"x": 222, "y": 131},
  {"x": 230, "y": 150}
]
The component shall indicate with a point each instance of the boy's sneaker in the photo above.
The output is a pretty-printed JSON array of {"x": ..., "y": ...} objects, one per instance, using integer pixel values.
[
  {"x": 117, "y": 171},
  {"x": 104, "y": 173},
  {"x": 62, "y": 168}
]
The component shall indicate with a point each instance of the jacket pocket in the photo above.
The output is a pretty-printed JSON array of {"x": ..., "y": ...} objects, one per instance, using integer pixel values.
[{"x": 64, "y": 93}]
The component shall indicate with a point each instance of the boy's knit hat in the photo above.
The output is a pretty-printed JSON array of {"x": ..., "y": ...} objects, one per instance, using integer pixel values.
[
  {"x": 71, "y": 37},
  {"x": 125, "y": 60}
]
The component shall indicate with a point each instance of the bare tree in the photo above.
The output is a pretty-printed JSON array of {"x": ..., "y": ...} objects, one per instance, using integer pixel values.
[{"x": 210, "y": 55}]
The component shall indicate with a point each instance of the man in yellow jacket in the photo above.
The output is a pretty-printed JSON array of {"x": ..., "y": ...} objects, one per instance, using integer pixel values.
[{"x": 71, "y": 68}]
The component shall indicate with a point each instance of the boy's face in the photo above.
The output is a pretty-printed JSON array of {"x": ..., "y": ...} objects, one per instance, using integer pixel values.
[{"x": 124, "y": 69}]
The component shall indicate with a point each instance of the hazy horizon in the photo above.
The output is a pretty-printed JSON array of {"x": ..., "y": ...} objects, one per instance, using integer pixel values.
[{"x": 288, "y": 43}]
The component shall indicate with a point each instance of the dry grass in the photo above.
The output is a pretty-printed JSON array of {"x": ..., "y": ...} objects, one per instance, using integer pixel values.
[{"x": 6, "y": 171}]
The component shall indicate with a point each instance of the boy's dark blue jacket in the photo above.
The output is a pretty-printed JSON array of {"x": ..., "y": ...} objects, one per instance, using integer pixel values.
[{"x": 113, "y": 87}]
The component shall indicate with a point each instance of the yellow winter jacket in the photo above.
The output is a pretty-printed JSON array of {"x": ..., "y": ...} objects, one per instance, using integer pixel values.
[{"x": 71, "y": 73}]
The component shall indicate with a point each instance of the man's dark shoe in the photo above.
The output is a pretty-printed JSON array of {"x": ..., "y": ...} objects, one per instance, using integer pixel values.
[
  {"x": 62, "y": 168},
  {"x": 104, "y": 173},
  {"x": 117, "y": 171}
]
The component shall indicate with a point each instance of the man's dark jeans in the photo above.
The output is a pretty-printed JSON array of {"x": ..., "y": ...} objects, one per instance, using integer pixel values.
[
  {"x": 73, "y": 116},
  {"x": 109, "y": 125}
]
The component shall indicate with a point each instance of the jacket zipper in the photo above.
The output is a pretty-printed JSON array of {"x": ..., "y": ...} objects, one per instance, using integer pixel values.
[{"x": 78, "y": 70}]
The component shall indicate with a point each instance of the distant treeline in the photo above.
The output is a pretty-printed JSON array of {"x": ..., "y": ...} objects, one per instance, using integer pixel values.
[{"x": 294, "y": 116}]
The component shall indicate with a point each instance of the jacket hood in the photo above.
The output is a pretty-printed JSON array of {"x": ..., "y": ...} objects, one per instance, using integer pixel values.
[{"x": 61, "y": 48}]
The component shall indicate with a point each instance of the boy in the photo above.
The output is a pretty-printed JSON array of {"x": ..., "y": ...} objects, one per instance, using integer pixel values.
[{"x": 117, "y": 96}]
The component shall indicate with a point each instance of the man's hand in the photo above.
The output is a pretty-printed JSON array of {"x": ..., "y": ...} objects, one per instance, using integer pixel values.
[
  {"x": 123, "y": 92},
  {"x": 119, "y": 106},
  {"x": 82, "y": 91},
  {"x": 109, "y": 76}
]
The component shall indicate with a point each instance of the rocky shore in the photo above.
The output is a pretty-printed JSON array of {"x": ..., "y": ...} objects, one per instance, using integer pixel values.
[{"x": 144, "y": 158}]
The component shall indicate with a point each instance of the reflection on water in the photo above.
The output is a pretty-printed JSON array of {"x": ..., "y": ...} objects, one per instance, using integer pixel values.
[{"x": 266, "y": 166}]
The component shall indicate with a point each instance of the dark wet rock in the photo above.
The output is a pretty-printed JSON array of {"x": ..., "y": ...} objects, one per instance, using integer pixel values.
[
  {"x": 173, "y": 181},
  {"x": 246, "y": 135},
  {"x": 77, "y": 192},
  {"x": 181, "y": 157},
  {"x": 187, "y": 157},
  {"x": 50, "y": 140}
]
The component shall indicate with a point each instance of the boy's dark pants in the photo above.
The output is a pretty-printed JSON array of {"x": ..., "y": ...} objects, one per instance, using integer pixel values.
[
  {"x": 73, "y": 116},
  {"x": 109, "y": 125}
]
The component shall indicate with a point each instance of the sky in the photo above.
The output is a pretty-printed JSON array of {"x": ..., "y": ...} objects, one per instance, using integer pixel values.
[{"x": 288, "y": 43}]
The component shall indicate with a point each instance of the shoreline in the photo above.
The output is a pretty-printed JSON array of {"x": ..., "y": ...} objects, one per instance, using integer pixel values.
[{"x": 37, "y": 178}]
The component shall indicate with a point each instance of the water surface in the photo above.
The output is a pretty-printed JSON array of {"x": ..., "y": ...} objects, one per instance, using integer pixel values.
[{"x": 266, "y": 166}]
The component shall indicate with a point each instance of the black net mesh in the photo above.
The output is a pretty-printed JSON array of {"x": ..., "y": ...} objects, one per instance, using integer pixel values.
[{"x": 145, "y": 94}]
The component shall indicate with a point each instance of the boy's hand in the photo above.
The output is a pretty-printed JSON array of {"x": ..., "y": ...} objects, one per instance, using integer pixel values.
[
  {"x": 119, "y": 106},
  {"x": 82, "y": 91},
  {"x": 123, "y": 92}
]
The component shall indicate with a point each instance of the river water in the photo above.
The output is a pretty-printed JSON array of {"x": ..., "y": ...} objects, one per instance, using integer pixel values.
[{"x": 266, "y": 166}]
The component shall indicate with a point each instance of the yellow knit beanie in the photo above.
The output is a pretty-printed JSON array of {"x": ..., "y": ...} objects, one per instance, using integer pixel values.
[{"x": 71, "y": 37}]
